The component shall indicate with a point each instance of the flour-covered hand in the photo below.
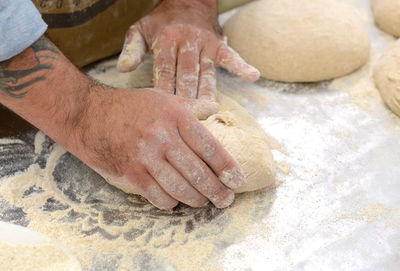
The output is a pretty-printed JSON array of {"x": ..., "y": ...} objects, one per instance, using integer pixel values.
[
  {"x": 187, "y": 44},
  {"x": 149, "y": 143},
  {"x": 143, "y": 141}
]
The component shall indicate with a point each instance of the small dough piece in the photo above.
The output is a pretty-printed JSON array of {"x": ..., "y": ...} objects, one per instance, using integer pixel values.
[
  {"x": 246, "y": 141},
  {"x": 299, "y": 40},
  {"x": 387, "y": 15},
  {"x": 387, "y": 77}
]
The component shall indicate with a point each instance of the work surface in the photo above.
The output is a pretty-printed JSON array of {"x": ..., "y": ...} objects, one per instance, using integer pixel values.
[{"x": 338, "y": 207}]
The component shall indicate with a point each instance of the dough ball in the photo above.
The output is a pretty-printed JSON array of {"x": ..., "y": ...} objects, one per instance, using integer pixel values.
[
  {"x": 387, "y": 77},
  {"x": 246, "y": 141},
  {"x": 299, "y": 40},
  {"x": 387, "y": 15}
]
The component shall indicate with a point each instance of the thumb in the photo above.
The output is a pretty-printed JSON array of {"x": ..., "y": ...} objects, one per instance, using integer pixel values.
[
  {"x": 201, "y": 108},
  {"x": 133, "y": 52}
]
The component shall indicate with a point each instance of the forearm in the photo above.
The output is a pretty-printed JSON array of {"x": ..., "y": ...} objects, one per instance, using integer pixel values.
[
  {"x": 44, "y": 88},
  {"x": 210, "y": 3},
  {"x": 185, "y": 10}
]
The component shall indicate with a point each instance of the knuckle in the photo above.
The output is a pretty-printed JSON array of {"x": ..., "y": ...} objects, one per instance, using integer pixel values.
[
  {"x": 207, "y": 80},
  {"x": 218, "y": 194},
  {"x": 190, "y": 30},
  {"x": 167, "y": 72},
  {"x": 190, "y": 78},
  {"x": 143, "y": 184},
  {"x": 199, "y": 176},
  {"x": 225, "y": 165},
  {"x": 169, "y": 32},
  {"x": 192, "y": 27},
  {"x": 207, "y": 63},
  {"x": 188, "y": 64},
  {"x": 164, "y": 68},
  {"x": 149, "y": 132},
  {"x": 156, "y": 134},
  {"x": 136, "y": 171},
  {"x": 170, "y": 111},
  {"x": 209, "y": 151},
  {"x": 211, "y": 38},
  {"x": 132, "y": 29}
]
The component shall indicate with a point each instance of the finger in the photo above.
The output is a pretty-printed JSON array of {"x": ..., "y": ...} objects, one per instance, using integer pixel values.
[
  {"x": 230, "y": 60},
  {"x": 199, "y": 175},
  {"x": 164, "y": 52},
  {"x": 202, "y": 142},
  {"x": 145, "y": 185},
  {"x": 133, "y": 52},
  {"x": 174, "y": 184},
  {"x": 187, "y": 75},
  {"x": 207, "y": 82},
  {"x": 201, "y": 108}
]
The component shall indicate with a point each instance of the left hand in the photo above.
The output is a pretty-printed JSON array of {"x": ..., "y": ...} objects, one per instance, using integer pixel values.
[{"x": 187, "y": 43}]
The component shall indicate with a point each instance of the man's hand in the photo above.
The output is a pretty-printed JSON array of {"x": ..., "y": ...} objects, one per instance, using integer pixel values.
[
  {"x": 144, "y": 140},
  {"x": 149, "y": 142},
  {"x": 186, "y": 42}
]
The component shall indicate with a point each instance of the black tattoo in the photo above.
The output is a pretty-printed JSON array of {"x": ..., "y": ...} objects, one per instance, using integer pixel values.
[{"x": 9, "y": 77}]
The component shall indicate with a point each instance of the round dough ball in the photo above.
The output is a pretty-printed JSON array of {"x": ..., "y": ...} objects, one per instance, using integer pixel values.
[
  {"x": 299, "y": 40},
  {"x": 387, "y": 15},
  {"x": 387, "y": 77},
  {"x": 241, "y": 135}
]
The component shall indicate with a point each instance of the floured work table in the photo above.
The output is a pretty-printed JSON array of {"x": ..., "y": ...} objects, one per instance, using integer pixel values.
[{"x": 337, "y": 208}]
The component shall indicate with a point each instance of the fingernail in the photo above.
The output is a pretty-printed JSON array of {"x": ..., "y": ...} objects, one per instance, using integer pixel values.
[
  {"x": 166, "y": 206},
  {"x": 228, "y": 200},
  {"x": 233, "y": 178},
  {"x": 253, "y": 75}
]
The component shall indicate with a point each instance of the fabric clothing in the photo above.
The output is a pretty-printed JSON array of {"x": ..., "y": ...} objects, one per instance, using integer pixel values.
[
  {"x": 85, "y": 31},
  {"x": 20, "y": 25},
  {"x": 90, "y": 30}
]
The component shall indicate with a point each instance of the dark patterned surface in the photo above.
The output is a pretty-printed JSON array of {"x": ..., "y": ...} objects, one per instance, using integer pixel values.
[{"x": 81, "y": 186}]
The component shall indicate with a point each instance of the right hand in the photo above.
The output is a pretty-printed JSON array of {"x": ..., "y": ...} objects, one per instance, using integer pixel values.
[{"x": 150, "y": 142}]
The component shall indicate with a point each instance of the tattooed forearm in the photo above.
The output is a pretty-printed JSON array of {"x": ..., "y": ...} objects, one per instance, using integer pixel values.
[{"x": 21, "y": 72}]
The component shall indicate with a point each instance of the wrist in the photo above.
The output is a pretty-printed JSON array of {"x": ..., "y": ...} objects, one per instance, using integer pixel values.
[
  {"x": 202, "y": 13},
  {"x": 210, "y": 3},
  {"x": 177, "y": 6},
  {"x": 45, "y": 89}
]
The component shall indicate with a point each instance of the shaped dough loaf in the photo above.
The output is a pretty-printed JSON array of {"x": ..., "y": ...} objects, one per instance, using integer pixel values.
[
  {"x": 387, "y": 15},
  {"x": 387, "y": 77},
  {"x": 246, "y": 141},
  {"x": 299, "y": 40}
]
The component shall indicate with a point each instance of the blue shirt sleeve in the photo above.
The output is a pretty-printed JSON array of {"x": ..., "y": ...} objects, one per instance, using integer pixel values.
[{"x": 20, "y": 25}]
